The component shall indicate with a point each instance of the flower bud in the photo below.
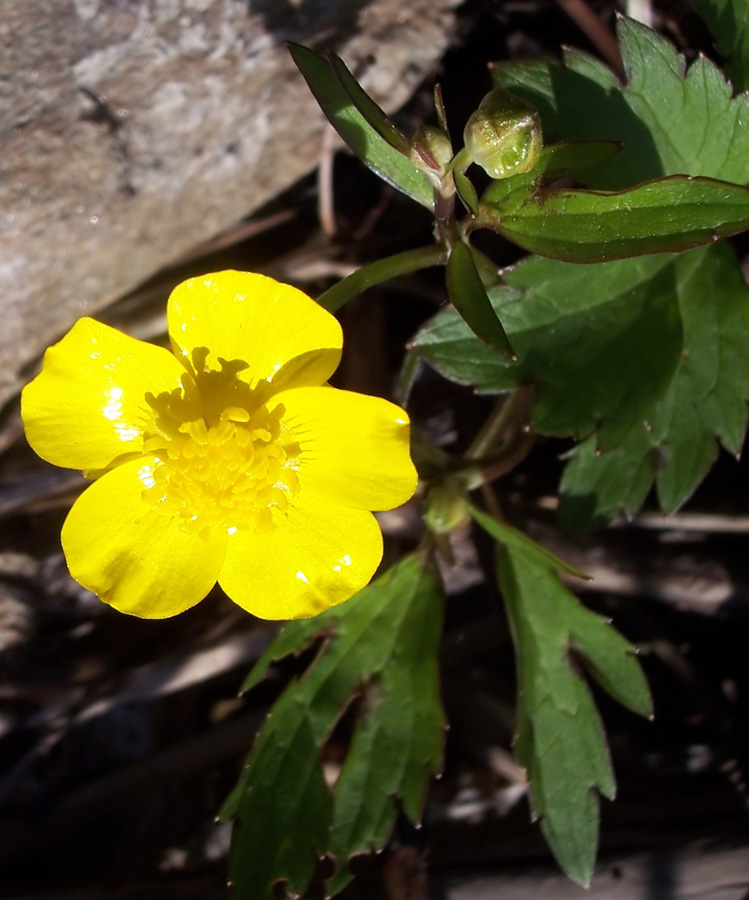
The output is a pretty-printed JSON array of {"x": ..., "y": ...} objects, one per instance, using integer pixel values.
[
  {"x": 431, "y": 147},
  {"x": 504, "y": 136},
  {"x": 447, "y": 506}
]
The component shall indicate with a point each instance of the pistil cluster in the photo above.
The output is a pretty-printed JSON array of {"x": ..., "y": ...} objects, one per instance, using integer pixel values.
[{"x": 221, "y": 456}]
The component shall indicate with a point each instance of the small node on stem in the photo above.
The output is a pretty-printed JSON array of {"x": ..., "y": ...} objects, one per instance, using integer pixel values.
[{"x": 431, "y": 146}]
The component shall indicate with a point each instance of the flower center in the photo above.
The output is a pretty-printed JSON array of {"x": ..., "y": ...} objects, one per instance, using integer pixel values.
[{"x": 221, "y": 457}]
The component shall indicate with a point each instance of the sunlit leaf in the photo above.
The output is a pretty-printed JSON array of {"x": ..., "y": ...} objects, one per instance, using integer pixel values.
[
  {"x": 670, "y": 118},
  {"x": 557, "y": 161},
  {"x": 283, "y": 813},
  {"x": 368, "y": 108},
  {"x": 382, "y": 646},
  {"x": 365, "y": 141},
  {"x": 378, "y": 271},
  {"x": 667, "y": 215}
]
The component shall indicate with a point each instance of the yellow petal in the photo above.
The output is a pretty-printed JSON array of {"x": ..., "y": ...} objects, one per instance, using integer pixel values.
[
  {"x": 242, "y": 315},
  {"x": 87, "y": 406},
  {"x": 137, "y": 560},
  {"x": 318, "y": 555},
  {"x": 354, "y": 449}
]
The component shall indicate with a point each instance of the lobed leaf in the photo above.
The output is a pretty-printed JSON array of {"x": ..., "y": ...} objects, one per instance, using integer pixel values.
[
  {"x": 600, "y": 343},
  {"x": 283, "y": 812},
  {"x": 559, "y": 736},
  {"x": 383, "y": 645},
  {"x": 355, "y": 124},
  {"x": 598, "y": 486},
  {"x": 705, "y": 404},
  {"x": 670, "y": 119},
  {"x": 729, "y": 22}
]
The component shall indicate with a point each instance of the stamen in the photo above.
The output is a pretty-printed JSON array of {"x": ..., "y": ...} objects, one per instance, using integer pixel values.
[{"x": 223, "y": 459}]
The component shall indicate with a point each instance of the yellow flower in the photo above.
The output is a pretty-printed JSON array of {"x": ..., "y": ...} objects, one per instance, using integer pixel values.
[{"x": 228, "y": 460}]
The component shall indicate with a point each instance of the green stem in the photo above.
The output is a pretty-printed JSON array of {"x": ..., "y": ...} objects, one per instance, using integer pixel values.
[
  {"x": 508, "y": 412},
  {"x": 511, "y": 455},
  {"x": 381, "y": 270},
  {"x": 445, "y": 227}
]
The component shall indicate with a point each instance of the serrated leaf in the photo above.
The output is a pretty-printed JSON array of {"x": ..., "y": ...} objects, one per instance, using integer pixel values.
[
  {"x": 383, "y": 645},
  {"x": 560, "y": 739},
  {"x": 468, "y": 294},
  {"x": 598, "y": 486},
  {"x": 670, "y": 119},
  {"x": 365, "y": 141},
  {"x": 600, "y": 343},
  {"x": 667, "y": 215},
  {"x": 729, "y": 22},
  {"x": 281, "y": 818},
  {"x": 518, "y": 540},
  {"x": 706, "y": 403},
  {"x": 396, "y": 746}
]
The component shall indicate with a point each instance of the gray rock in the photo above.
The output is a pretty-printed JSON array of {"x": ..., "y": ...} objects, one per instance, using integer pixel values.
[{"x": 132, "y": 130}]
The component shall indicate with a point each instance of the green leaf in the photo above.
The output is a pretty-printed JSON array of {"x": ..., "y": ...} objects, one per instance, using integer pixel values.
[
  {"x": 397, "y": 744},
  {"x": 729, "y": 22},
  {"x": 706, "y": 403},
  {"x": 368, "y": 108},
  {"x": 598, "y": 486},
  {"x": 468, "y": 294},
  {"x": 519, "y": 540},
  {"x": 324, "y": 80},
  {"x": 560, "y": 739},
  {"x": 556, "y": 161},
  {"x": 382, "y": 645},
  {"x": 667, "y": 215},
  {"x": 282, "y": 815},
  {"x": 600, "y": 343},
  {"x": 466, "y": 192},
  {"x": 670, "y": 119}
]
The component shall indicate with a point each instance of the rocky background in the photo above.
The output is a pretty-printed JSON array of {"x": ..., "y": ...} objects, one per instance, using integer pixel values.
[{"x": 133, "y": 130}]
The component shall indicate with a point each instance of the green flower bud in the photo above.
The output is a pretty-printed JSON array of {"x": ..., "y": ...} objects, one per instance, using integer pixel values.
[
  {"x": 504, "y": 135},
  {"x": 431, "y": 147},
  {"x": 447, "y": 506}
]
